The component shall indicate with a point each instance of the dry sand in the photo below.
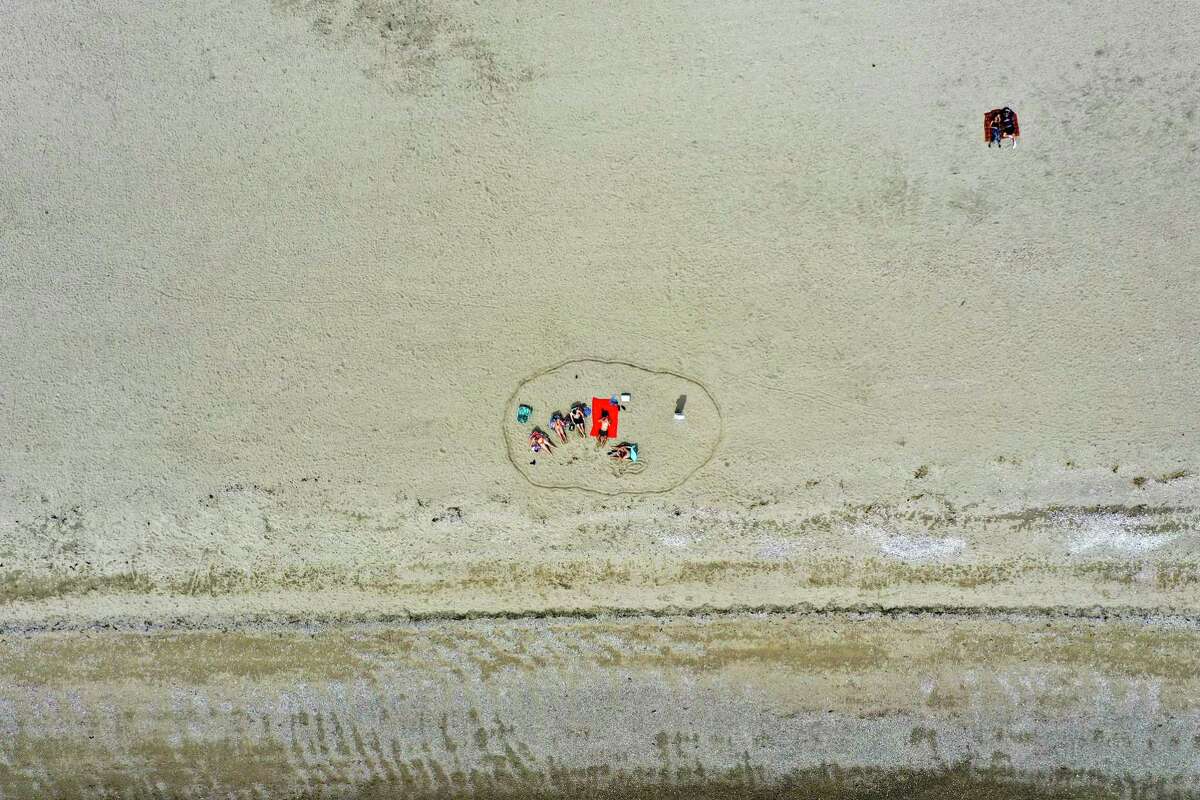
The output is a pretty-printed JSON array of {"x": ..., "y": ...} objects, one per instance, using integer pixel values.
[{"x": 271, "y": 272}]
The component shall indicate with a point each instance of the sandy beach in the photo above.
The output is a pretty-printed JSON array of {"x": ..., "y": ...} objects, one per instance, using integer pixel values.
[{"x": 274, "y": 276}]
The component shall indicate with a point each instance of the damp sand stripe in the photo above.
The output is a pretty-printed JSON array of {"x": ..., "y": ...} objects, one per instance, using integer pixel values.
[{"x": 1159, "y": 617}]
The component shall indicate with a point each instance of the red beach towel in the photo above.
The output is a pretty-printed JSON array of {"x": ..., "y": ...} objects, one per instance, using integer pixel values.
[{"x": 599, "y": 406}]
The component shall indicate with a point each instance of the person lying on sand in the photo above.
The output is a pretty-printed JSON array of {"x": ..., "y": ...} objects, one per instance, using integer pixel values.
[
  {"x": 1008, "y": 123},
  {"x": 559, "y": 425},
  {"x": 579, "y": 419},
  {"x": 602, "y": 434},
  {"x": 539, "y": 441},
  {"x": 624, "y": 452}
]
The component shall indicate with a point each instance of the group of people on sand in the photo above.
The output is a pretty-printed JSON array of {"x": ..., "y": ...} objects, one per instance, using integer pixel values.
[
  {"x": 1003, "y": 123},
  {"x": 576, "y": 420}
]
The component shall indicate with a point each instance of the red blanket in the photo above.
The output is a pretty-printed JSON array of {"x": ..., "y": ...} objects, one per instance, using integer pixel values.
[{"x": 600, "y": 406}]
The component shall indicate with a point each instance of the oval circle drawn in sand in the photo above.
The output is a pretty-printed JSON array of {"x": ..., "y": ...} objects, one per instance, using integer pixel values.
[{"x": 670, "y": 450}]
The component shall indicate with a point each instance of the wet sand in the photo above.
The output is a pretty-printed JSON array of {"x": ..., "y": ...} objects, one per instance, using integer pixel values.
[
  {"x": 835, "y": 705},
  {"x": 270, "y": 272}
]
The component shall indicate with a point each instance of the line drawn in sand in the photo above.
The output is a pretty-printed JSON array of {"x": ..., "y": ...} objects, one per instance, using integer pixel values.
[{"x": 626, "y": 469}]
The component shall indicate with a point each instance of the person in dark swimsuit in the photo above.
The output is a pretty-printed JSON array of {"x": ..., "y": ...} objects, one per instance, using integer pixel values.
[
  {"x": 1007, "y": 123},
  {"x": 578, "y": 419}
]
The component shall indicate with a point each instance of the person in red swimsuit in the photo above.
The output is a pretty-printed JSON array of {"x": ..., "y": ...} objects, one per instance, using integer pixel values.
[{"x": 539, "y": 441}]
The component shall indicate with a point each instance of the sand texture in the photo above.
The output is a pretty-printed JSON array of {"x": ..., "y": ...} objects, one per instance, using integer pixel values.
[
  {"x": 644, "y": 707},
  {"x": 274, "y": 276}
]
